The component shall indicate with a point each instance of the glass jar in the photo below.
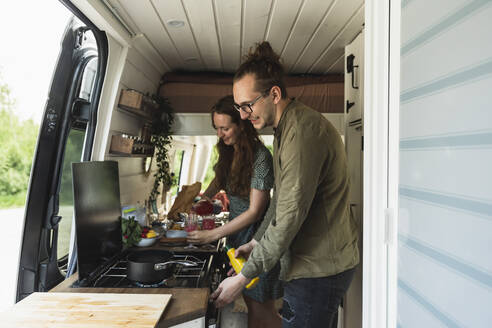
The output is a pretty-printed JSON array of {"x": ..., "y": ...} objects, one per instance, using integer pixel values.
[{"x": 208, "y": 222}]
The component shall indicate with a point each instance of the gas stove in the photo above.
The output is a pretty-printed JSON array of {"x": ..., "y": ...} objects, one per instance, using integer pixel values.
[
  {"x": 206, "y": 274},
  {"x": 186, "y": 277}
]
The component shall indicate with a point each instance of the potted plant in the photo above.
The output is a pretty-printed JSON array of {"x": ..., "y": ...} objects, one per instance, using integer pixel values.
[{"x": 161, "y": 138}]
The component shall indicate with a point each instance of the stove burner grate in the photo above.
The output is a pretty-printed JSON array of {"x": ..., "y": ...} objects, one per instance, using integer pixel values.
[{"x": 190, "y": 277}]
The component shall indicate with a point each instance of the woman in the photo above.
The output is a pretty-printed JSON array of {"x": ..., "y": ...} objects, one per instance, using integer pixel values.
[{"x": 245, "y": 171}]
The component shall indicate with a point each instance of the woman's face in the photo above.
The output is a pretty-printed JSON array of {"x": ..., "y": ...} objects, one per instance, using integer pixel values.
[{"x": 226, "y": 130}]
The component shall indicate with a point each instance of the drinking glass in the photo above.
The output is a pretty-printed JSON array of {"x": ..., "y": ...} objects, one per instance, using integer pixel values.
[
  {"x": 208, "y": 222},
  {"x": 191, "y": 224}
]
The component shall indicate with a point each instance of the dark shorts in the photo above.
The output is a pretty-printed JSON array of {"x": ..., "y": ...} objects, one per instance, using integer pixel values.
[
  {"x": 268, "y": 288},
  {"x": 313, "y": 302}
]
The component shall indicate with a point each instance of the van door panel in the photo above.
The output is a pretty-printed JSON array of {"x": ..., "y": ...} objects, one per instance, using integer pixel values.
[{"x": 39, "y": 261}]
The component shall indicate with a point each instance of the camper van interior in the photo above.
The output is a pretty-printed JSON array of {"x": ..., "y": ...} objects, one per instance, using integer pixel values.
[
  {"x": 122, "y": 59},
  {"x": 185, "y": 52}
]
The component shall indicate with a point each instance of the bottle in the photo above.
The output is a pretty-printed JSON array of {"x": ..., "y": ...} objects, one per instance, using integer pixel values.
[{"x": 238, "y": 263}]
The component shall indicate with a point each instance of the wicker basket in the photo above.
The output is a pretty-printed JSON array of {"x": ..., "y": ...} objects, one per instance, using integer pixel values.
[
  {"x": 120, "y": 145},
  {"x": 131, "y": 99}
]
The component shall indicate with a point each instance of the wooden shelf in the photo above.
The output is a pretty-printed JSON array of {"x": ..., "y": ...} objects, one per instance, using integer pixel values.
[
  {"x": 116, "y": 154},
  {"x": 135, "y": 112},
  {"x": 123, "y": 148}
]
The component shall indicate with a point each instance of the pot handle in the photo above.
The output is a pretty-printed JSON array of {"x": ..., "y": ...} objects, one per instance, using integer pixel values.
[{"x": 161, "y": 266}]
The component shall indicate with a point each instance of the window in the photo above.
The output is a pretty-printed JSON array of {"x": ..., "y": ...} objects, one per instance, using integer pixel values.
[
  {"x": 177, "y": 170},
  {"x": 209, "y": 176},
  {"x": 73, "y": 154}
]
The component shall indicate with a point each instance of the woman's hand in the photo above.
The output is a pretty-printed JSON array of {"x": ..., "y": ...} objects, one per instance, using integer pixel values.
[{"x": 202, "y": 236}]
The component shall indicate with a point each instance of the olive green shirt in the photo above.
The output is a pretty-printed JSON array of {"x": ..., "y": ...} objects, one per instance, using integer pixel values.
[{"x": 311, "y": 233}]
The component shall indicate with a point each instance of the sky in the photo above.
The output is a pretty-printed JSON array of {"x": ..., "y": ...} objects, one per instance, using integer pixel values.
[{"x": 30, "y": 37}]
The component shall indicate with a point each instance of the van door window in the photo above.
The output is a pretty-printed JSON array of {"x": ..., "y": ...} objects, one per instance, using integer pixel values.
[{"x": 73, "y": 154}]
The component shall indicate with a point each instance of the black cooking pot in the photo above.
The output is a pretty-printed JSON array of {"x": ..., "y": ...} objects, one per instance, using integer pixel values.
[{"x": 152, "y": 266}]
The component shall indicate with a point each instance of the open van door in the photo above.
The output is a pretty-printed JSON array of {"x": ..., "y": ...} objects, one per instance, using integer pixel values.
[{"x": 66, "y": 135}]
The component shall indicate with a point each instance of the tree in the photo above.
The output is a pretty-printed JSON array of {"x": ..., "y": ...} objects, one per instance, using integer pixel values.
[
  {"x": 6, "y": 101},
  {"x": 17, "y": 140}
]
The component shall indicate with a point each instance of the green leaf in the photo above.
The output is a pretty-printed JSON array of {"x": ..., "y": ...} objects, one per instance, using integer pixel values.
[{"x": 132, "y": 230}]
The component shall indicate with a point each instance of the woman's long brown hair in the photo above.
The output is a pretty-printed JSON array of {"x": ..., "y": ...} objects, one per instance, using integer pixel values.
[{"x": 234, "y": 168}]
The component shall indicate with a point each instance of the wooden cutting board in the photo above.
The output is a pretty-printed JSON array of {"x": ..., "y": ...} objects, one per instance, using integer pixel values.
[
  {"x": 55, "y": 310},
  {"x": 166, "y": 240}
]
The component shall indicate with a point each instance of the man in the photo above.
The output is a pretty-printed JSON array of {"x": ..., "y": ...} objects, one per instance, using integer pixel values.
[{"x": 311, "y": 233}]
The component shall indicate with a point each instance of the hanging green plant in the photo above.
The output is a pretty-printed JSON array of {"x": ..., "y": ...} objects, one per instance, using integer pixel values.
[{"x": 161, "y": 139}]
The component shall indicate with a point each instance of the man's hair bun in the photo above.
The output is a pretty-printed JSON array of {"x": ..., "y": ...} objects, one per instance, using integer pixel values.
[
  {"x": 263, "y": 51},
  {"x": 265, "y": 65}
]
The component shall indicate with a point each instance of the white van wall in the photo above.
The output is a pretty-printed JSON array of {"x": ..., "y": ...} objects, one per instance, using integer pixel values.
[
  {"x": 134, "y": 64},
  {"x": 137, "y": 73}
]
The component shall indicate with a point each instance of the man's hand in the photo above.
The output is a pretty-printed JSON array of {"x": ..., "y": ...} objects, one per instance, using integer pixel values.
[
  {"x": 229, "y": 290},
  {"x": 231, "y": 272},
  {"x": 243, "y": 250},
  {"x": 246, "y": 249}
]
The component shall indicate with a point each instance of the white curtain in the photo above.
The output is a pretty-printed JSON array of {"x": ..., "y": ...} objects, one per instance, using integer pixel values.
[{"x": 200, "y": 161}]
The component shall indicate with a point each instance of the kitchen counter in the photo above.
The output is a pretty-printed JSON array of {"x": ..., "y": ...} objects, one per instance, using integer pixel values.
[{"x": 186, "y": 303}]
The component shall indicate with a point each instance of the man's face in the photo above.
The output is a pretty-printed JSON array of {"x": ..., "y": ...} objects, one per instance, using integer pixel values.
[{"x": 263, "y": 110}]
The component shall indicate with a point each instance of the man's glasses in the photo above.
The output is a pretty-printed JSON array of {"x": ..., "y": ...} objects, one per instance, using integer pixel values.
[{"x": 248, "y": 107}]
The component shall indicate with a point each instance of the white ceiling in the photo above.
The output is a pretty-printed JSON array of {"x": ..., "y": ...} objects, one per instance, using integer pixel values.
[{"x": 310, "y": 35}]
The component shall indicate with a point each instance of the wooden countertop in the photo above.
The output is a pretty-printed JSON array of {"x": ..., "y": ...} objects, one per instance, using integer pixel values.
[{"x": 186, "y": 303}]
